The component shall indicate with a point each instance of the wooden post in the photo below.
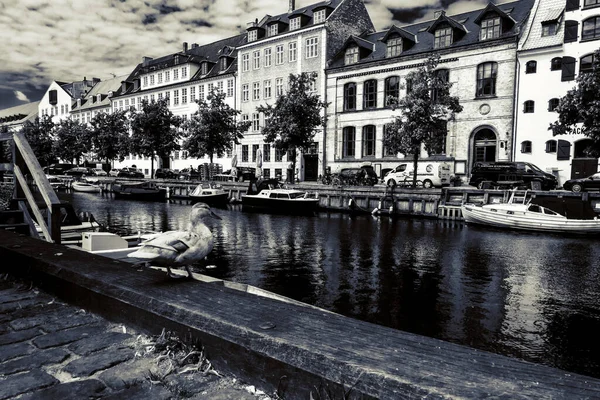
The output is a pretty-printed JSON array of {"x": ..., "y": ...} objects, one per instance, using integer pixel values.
[{"x": 54, "y": 217}]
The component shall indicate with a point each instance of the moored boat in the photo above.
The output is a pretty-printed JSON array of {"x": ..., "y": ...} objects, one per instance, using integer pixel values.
[
  {"x": 80, "y": 186},
  {"x": 526, "y": 215},
  {"x": 139, "y": 191},
  {"x": 209, "y": 193},
  {"x": 277, "y": 198}
]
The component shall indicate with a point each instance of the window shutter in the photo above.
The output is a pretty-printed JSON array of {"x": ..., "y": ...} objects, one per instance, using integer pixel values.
[
  {"x": 572, "y": 5},
  {"x": 53, "y": 97},
  {"x": 568, "y": 69},
  {"x": 571, "y": 29},
  {"x": 563, "y": 151}
]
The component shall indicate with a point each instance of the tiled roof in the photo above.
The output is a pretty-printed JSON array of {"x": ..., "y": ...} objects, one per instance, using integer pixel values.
[
  {"x": 517, "y": 10},
  {"x": 102, "y": 88},
  {"x": 19, "y": 114},
  {"x": 532, "y": 37}
]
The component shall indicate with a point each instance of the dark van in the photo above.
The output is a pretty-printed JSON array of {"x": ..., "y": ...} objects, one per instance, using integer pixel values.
[{"x": 512, "y": 173}]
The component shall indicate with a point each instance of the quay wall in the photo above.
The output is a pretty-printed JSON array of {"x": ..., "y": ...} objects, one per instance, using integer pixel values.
[{"x": 295, "y": 351}]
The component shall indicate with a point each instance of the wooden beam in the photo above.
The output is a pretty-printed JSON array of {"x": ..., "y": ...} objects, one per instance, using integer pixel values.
[{"x": 22, "y": 182}]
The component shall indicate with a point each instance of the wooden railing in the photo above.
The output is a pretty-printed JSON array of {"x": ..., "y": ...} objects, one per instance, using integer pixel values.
[{"x": 26, "y": 166}]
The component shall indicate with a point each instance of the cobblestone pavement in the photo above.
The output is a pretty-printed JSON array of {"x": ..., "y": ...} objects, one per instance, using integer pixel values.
[{"x": 52, "y": 350}]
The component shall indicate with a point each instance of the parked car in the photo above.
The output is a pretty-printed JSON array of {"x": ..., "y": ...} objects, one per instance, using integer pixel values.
[
  {"x": 130, "y": 172},
  {"x": 188, "y": 174},
  {"x": 99, "y": 172},
  {"x": 364, "y": 175},
  {"x": 114, "y": 172},
  {"x": 592, "y": 182},
  {"x": 58, "y": 169},
  {"x": 79, "y": 172},
  {"x": 164, "y": 173},
  {"x": 517, "y": 172}
]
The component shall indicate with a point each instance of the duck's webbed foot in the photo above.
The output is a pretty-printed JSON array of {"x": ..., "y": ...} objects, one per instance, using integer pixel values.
[
  {"x": 140, "y": 265},
  {"x": 189, "y": 271},
  {"x": 173, "y": 275}
]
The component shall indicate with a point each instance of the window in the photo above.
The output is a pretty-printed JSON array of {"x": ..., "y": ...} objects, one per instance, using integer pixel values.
[
  {"x": 230, "y": 87},
  {"x": 151, "y": 79},
  {"x": 529, "y": 106},
  {"x": 486, "y": 79},
  {"x": 526, "y": 147},
  {"x": 442, "y": 38},
  {"x": 273, "y": 30},
  {"x": 552, "y": 104},
  {"x": 370, "y": 94},
  {"x": 201, "y": 92},
  {"x": 394, "y": 47},
  {"x": 145, "y": 81},
  {"x": 176, "y": 97},
  {"x": 252, "y": 35},
  {"x": 551, "y": 146},
  {"x": 266, "y": 152},
  {"x": 556, "y": 64},
  {"x": 223, "y": 63},
  {"x": 549, "y": 28},
  {"x": 255, "y": 121},
  {"x": 571, "y": 31},
  {"x": 319, "y": 16},
  {"x": 294, "y": 23},
  {"x": 183, "y": 72},
  {"x": 563, "y": 150},
  {"x": 167, "y": 76},
  {"x": 531, "y": 67},
  {"x": 312, "y": 85},
  {"x": 591, "y": 28},
  {"x": 254, "y": 152},
  {"x": 160, "y": 77},
  {"x": 490, "y": 29},
  {"x": 351, "y": 56},
  {"x": 568, "y": 69},
  {"x": 368, "y": 141},
  {"x": 292, "y": 51},
  {"x": 586, "y": 63},
  {"x": 192, "y": 94},
  {"x": 245, "y": 92},
  {"x": 211, "y": 87},
  {"x": 279, "y": 54},
  {"x": 348, "y": 138},
  {"x": 245, "y": 118},
  {"x": 590, "y": 3},
  {"x": 246, "y": 62},
  {"x": 184, "y": 96},
  {"x": 443, "y": 75},
  {"x": 278, "y": 157},
  {"x": 256, "y": 60},
  {"x": 268, "y": 57},
  {"x": 267, "y": 89},
  {"x": 278, "y": 87},
  {"x": 256, "y": 91},
  {"x": 572, "y": 5},
  {"x": 392, "y": 87},
  {"x": 244, "y": 153},
  {"x": 350, "y": 96},
  {"x": 312, "y": 49},
  {"x": 176, "y": 74}
]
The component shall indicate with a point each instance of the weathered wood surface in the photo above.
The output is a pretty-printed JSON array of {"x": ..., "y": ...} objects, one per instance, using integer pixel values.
[{"x": 282, "y": 346}]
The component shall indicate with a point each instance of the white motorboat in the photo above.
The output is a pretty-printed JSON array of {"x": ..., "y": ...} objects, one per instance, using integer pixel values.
[
  {"x": 272, "y": 197},
  {"x": 521, "y": 214},
  {"x": 209, "y": 193},
  {"x": 80, "y": 186},
  {"x": 110, "y": 245}
]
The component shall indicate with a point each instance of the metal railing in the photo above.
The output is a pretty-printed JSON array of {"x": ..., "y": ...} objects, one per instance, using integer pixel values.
[{"x": 26, "y": 166}]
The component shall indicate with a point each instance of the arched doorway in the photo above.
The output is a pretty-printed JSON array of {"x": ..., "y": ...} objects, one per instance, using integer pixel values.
[{"x": 484, "y": 145}]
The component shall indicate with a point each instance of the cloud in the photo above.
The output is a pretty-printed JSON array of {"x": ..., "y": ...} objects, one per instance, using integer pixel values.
[{"x": 21, "y": 96}]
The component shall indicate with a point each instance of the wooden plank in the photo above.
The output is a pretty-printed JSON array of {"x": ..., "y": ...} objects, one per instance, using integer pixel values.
[
  {"x": 32, "y": 231},
  {"x": 31, "y": 200}
]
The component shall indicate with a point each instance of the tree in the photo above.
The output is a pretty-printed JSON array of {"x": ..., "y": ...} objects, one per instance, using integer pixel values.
[
  {"x": 213, "y": 128},
  {"x": 582, "y": 105},
  {"x": 72, "y": 140},
  {"x": 424, "y": 114},
  {"x": 39, "y": 135},
  {"x": 110, "y": 135},
  {"x": 294, "y": 119},
  {"x": 154, "y": 131}
]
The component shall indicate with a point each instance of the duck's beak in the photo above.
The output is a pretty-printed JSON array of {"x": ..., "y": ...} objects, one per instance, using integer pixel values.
[{"x": 212, "y": 214}]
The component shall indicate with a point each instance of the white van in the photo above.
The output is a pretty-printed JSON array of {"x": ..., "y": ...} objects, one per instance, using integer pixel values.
[{"x": 429, "y": 173}]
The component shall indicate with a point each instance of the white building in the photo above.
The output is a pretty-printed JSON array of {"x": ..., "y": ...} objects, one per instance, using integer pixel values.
[
  {"x": 556, "y": 47},
  {"x": 58, "y": 100}
]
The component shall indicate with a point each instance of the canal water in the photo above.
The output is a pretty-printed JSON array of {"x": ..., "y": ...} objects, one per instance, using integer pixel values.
[{"x": 530, "y": 296}]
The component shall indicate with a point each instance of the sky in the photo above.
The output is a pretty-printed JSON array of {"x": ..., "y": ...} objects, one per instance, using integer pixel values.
[{"x": 67, "y": 40}]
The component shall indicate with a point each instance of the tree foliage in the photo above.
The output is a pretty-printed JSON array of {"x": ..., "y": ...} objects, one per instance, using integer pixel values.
[
  {"x": 110, "y": 135},
  {"x": 72, "y": 140},
  {"x": 154, "y": 130},
  {"x": 293, "y": 121},
  {"x": 39, "y": 135},
  {"x": 213, "y": 129},
  {"x": 424, "y": 113},
  {"x": 582, "y": 105}
]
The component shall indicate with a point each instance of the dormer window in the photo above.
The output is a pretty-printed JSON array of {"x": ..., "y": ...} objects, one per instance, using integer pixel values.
[
  {"x": 549, "y": 28},
  {"x": 294, "y": 23},
  {"x": 490, "y": 28},
  {"x": 351, "y": 56},
  {"x": 319, "y": 16},
  {"x": 273, "y": 30},
  {"x": 394, "y": 47},
  {"x": 224, "y": 63},
  {"x": 252, "y": 35},
  {"x": 443, "y": 38},
  {"x": 176, "y": 60},
  {"x": 204, "y": 68}
]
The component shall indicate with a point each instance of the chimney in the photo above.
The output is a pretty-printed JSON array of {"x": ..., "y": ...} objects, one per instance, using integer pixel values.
[
  {"x": 292, "y": 6},
  {"x": 185, "y": 48},
  {"x": 194, "y": 45},
  {"x": 438, "y": 14},
  {"x": 146, "y": 60}
]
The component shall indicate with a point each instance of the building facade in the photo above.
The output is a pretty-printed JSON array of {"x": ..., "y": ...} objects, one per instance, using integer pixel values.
[
  {"x": 477, "y": 53},
  {"x": 181, "y": 78},
  {"x": 301, "y": 40},
  {"x": 58, "y": 100},
  {"x": 557, "y": 46}
]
